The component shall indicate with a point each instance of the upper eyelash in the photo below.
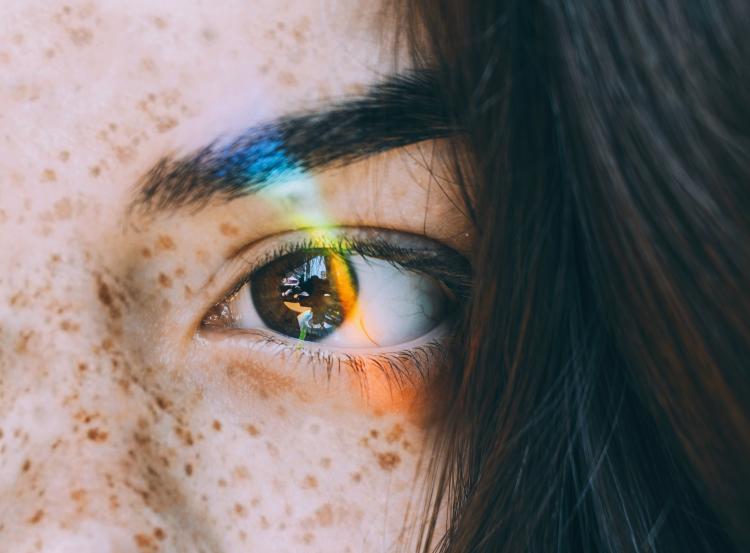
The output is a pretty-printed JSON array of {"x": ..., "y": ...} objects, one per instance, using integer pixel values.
[{"x": 455, "y": 272}]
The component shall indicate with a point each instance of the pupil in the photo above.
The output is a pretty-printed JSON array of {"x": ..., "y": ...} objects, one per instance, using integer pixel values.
[{"x": 303, "y": 296}]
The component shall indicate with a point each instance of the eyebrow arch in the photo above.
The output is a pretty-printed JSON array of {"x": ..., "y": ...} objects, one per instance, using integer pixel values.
[{"x": 401, "y": 110}]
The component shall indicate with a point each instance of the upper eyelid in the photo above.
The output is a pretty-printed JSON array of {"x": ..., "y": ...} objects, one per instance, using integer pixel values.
[{"x": 372, "y": 248}]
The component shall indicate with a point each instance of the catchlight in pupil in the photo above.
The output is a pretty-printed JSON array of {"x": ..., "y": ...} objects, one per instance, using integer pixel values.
[{"x": 306, "y": 295}]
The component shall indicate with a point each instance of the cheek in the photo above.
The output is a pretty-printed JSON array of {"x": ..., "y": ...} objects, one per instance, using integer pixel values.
[{"x": 292, "y": 474}]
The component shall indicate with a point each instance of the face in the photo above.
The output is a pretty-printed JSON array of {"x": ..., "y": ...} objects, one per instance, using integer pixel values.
[{"x": 235, "y": 374}]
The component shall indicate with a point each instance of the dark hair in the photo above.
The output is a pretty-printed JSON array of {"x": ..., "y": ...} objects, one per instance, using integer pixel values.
[{"x": 603, "y": 402}]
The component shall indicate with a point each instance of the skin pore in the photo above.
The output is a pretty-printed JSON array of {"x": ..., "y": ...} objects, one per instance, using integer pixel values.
[{"x": 124, "y": 426}]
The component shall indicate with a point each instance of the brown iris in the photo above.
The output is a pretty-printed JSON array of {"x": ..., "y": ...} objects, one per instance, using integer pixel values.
[{"x": 305, "y": 295}]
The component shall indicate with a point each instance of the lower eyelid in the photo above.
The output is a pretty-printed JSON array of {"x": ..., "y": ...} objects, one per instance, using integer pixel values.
[{"x": 399, "y": 372}]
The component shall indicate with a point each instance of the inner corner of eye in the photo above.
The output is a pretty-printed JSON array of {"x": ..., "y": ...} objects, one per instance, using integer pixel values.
[{"x": 218, "y": 316}]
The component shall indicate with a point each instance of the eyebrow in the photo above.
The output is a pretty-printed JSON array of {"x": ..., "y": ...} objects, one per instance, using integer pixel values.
[{"x": 401, "y": 110}]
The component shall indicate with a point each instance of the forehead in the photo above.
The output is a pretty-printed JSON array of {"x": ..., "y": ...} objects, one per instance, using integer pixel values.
[{"x": 94, "y": 92}]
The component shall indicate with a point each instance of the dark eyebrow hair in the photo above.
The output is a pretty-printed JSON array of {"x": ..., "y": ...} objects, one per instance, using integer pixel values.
[{"x": 401, "y": 110}]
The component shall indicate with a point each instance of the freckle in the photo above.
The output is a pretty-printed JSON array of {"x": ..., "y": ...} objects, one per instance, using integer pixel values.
[
  {"x": 310, "y": 482},
  {"x": 209, "y": 35},
  {"x": 142, "y": 541},
  {"x": 189, "y": 469},
  {"x": 222, "y": 483},
  {"x": 26, "y": 465},
  {"x": 36, "y": 517},
  {"x": 252, "y": 430},
  {"x": 145, "y": 252},
  {"x": 124, "y": 384},
  {"x": 264, "y": 524},
  {"x": 95, "y": 171},
  {"x": 185, "y": 435},
  {"x": 357, "y": 477},
  {"x": 96, "y": 435},
  {"x": 394, "y": 434},
  {"x": 324, "y": 515},
  {"x": 69, "y": 326},
  {"x": 124, "y": 154},
  {"x": 82, "y": 367},
  {"x": 103, "y": 293},
  {"x": 165, "y": 242},
  {"x": 159, "y": 534},
  {"x": 287, "y": 79},
  {"x": 374, "y": 433},
  {"x": 228, "y": 229},
  {"x": 78, "y": 495},
  {"x": 80, "y": 36},
  {"x": 64, "y": 156},
  {"x": 202, "y": 256},
  {"x": 162, "y": 403},
  {"x": 240, "y": 510},
  {"x": 241, "y": 473},
  {"x": 179, "y": 272},
  {"x": 164, "y": 124},
  {"x": 165, "y": 281},
  {"x": 49, "y": 175},
  {"x": 308, "y": 537},
  {"x": 325, "y": 462},
  {"x": 388, "y": 461},
  {"x": 217, "y": 425},
  {"x": 160, "y": 23}
]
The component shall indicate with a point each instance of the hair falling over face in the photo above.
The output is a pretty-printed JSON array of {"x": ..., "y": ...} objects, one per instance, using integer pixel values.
[{"x": 600, "y": 398}]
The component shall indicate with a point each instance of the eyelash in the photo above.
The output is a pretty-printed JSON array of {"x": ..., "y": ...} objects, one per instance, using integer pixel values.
[
  {"x": 442, "y": 264},
  {"x": 454, "y": 272},
  {"x": 395, "y": 366}
]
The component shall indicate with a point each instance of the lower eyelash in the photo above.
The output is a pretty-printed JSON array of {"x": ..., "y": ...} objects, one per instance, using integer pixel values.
[{"x": 402, "y": 369}]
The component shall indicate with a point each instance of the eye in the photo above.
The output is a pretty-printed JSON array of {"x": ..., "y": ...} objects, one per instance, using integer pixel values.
[{"x": 348, "y": 293}]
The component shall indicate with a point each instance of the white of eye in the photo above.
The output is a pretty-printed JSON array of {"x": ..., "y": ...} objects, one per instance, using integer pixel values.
[{"x": 394, "y": 306}]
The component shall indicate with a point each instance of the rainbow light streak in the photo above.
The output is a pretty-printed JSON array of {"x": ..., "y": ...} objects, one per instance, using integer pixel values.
[
  {"x": 260, "y": 158},
  {"x": 292, "y": 187}
]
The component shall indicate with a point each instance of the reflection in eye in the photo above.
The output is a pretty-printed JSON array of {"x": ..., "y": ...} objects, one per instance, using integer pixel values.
[
  {"x": 309, "y": 295},
  {"x": 349, "y": 293}
]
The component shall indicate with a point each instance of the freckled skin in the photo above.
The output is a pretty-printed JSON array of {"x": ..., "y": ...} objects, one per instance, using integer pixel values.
[{"x": 120, "y": 430}]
